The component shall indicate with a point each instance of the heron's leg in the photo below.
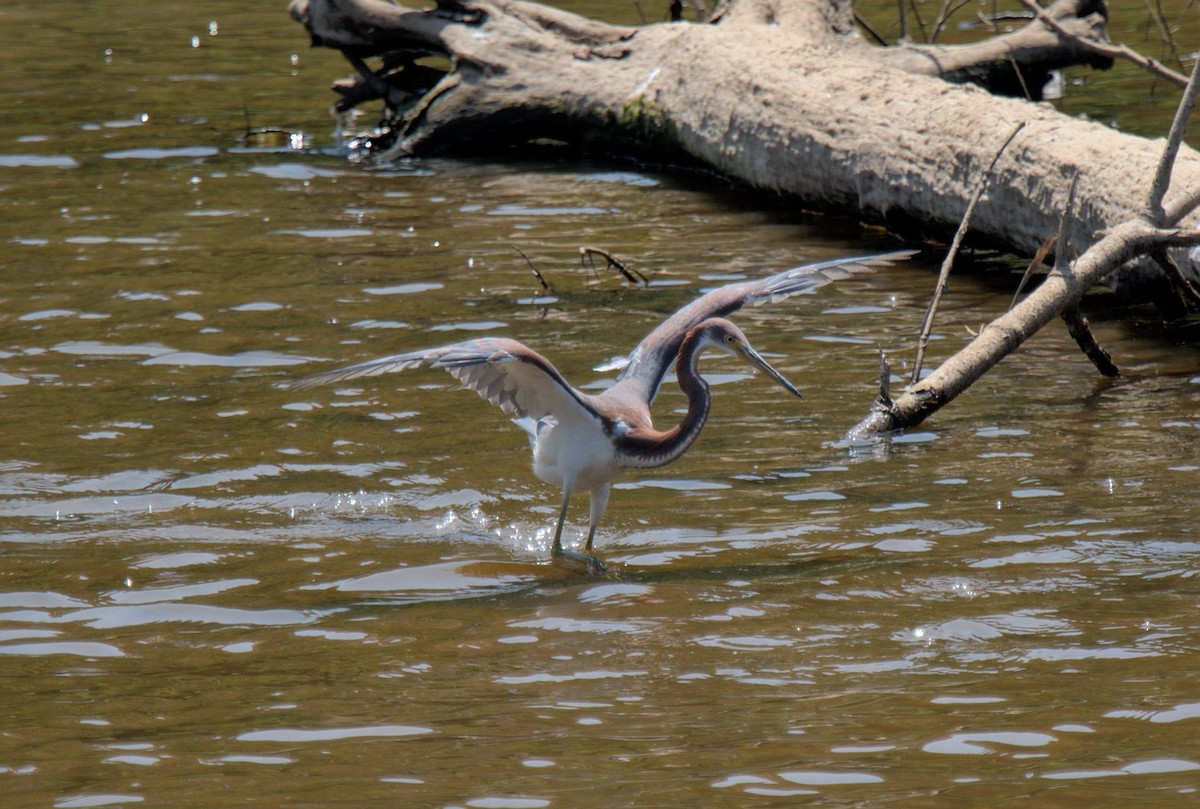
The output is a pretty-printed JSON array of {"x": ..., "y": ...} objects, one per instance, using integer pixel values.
[
  {"x": 589, "y": 563},
  {"x": 557, "y": 550},
  {"x": 599, "y": 502}
]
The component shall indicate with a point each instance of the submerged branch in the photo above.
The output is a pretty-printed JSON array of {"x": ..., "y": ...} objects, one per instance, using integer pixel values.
[{"x": 1081, "y": 331}]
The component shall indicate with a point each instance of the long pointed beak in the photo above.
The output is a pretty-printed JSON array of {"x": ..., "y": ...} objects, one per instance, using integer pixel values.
[{"x": 754, "y": 358}]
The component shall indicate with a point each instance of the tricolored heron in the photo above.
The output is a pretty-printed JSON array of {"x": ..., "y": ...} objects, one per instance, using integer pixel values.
[{"x": 581, "y": 442}]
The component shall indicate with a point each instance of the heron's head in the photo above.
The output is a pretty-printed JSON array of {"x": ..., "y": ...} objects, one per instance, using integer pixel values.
[{"x": 720, "y": 333}]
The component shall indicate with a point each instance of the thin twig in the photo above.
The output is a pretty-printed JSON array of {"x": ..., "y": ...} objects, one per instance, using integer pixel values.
[
  {"x": 536, "y": 273},
  {"x": 944, "y": 274},
  {"x": 1038, "y": 258},
  {"x": 949, "y": 9},
  {"x": 1021, "y": 79},
  {"x": 586, "y": 254},
  {"x": 1077, "y": 324},
  {"x": 1164, "y": 32},
  {"x": 1062, "y": 256},
  {"x": 916, "y": 12},
  {"x": 866, "y": 26},
  {"x": 885, "y": 380}
]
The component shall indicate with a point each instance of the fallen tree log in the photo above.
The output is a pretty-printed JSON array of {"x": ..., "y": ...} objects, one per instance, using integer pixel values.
[{"x": 783, "y": 95}]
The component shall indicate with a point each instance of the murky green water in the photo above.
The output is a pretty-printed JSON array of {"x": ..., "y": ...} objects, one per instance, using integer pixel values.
[{"x": 214, "y": 592}]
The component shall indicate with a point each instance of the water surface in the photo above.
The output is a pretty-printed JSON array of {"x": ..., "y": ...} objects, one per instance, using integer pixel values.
[{"x": 215, "y": 591}]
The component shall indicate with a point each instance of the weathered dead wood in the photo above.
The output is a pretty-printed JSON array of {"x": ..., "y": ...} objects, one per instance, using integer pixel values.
[
  {"x": 1007, "y": 333},
  {"x": 783, "y": 95},
  {"x": 1145, "y": 234},
  {"x": 787, "y": 97}
]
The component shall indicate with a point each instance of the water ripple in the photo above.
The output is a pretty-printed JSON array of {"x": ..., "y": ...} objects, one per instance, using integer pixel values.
[
  {"x": 170, "y": 612},
  {"x": 304, "y": 736},
  {"x": 438, "y": 581},
  {"x": 977, "y": 744},
  {"x": 66, "y": 647},
  {"x": 37, "y": 161},
  {"x": 1187, "y": 710}
]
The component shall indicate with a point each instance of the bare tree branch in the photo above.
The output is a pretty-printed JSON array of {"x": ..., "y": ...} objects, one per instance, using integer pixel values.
[
  {"x": 1162, "y": 177},
  {"x": 1081, "y": 331},
  {"x": 1112, "y": 51},
  {"x": 587, "y": 257},
  {"x": 1004, "y": 335}
]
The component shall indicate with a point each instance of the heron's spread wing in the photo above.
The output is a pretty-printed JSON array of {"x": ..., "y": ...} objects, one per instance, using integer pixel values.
[
  {"x": 515, "y": 378},
  {"x": 649, "y": 362}
]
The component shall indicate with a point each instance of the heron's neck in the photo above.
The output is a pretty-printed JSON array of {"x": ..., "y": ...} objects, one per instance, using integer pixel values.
[{"x": 646, "y": 447}]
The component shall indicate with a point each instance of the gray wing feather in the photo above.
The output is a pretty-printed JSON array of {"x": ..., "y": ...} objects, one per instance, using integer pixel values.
[
  {"x": 649, "y": 362},
  {"x": 376, "y": 367},
  {"x": 515, "y": 378}
]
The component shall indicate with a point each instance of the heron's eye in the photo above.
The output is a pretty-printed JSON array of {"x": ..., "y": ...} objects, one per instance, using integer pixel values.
[{"x": 729, "y": 339}]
